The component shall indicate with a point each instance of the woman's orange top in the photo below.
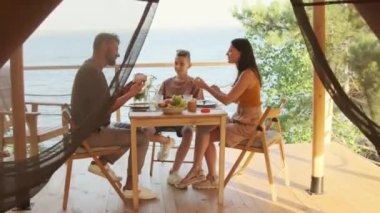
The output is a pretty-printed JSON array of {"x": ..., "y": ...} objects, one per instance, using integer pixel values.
[{"x": 251, "y": 96}]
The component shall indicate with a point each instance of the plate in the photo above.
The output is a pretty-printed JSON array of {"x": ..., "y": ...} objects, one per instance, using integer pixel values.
[
  {"x": 206, "y": 104},
  {"x": 139, "y": 107},
  {"x": 173, "y": 110}
]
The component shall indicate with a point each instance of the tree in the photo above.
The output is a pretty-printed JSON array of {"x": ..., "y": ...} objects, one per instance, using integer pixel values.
[
  {"x": 353, "y": 54},
  {"x": 283, "y": 62}
]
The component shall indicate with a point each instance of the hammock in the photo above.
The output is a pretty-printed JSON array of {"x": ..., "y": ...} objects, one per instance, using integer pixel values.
[
  {"x": 22, "y": 179},
  {"x": 352, "y": 111}
]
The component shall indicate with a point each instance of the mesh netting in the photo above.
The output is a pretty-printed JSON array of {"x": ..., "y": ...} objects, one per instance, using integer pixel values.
[
  {"x": 360, "y": 54},
  {"x": 22, "y": 179}
]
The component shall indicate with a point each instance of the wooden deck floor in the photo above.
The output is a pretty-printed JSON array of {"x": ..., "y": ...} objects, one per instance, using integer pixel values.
[{"x": 352, "y": 184}]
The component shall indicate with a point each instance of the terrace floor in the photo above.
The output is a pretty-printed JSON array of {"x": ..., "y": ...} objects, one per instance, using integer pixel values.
[{"x": 352, "y": 184}]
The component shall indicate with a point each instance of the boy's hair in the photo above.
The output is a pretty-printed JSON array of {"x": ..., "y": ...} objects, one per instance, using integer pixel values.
[
  {"x": 183, "y": 53},
  {"x": 104, "y": 37}
]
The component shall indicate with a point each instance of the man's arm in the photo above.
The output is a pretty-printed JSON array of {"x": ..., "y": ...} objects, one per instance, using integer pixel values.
[{"x": 129, "y": 92}]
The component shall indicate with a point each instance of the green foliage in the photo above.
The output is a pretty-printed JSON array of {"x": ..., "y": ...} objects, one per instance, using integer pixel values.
[
  {"x": 287, "y": 72},
  {"x": 283, "y": 62}
]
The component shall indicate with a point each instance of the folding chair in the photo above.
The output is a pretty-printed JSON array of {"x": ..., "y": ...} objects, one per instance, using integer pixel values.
[
  {"x": 278, "y": 126},
  {"x": 85, "y": 151},
  {"x": 260, "y": 143}
]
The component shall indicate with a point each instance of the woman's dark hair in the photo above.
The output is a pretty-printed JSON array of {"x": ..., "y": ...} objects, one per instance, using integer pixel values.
[{"x": 247, "y": 58}]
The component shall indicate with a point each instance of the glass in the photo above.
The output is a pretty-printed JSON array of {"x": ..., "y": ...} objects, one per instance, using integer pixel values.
[{"x": 187, "y": 97}]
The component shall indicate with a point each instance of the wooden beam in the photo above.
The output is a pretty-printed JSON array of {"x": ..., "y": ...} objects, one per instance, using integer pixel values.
[
  {"x": 18, "y": 104},
  {"x": 322, "y": 111}
]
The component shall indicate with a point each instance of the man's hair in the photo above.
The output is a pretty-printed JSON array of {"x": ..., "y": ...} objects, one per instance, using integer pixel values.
[
  {"x": 104, "y": 37},
  {"x": 183, "y": 53}
]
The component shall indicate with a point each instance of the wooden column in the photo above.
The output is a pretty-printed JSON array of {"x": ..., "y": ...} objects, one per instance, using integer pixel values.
[
  {"x": 18, "y": 119},
  {"x": 18, "y": 104},
  {"x": 322, "y": 111}
]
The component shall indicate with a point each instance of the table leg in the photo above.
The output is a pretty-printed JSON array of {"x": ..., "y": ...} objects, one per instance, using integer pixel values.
[
  {"x": 222, "y": 159},
  {"x": 134, "y": 165}
]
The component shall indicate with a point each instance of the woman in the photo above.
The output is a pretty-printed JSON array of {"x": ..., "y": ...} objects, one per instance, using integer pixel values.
[{"x": 246, "y": 93}]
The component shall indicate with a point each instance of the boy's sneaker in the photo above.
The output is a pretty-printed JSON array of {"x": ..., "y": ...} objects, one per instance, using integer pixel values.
[
  {"x": 95, "y": 169},
  {"x": 163, "y": 154}
]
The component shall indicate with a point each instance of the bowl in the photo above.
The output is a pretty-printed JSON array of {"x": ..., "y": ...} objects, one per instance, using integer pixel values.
[{"x": 172, "y": 110}]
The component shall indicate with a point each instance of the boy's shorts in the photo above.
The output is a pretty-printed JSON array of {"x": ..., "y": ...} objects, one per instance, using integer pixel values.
[{"x": 177, "y": 129}]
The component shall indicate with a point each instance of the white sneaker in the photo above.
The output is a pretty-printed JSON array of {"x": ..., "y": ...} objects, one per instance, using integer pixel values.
[
  {"x": 144, "y": 194},
  {"x": 174, "y": 179},
  {"x": 95, "y": 169},
  {"x": 163, "y": 154}
]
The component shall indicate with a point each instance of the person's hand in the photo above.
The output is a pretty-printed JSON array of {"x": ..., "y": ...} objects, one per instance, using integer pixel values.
[
  {"x": 139, "y": 77},
  {"x": 136, "y": 88},
  {"x": 216, "y": 88},
  {"x": 200, "y": 83},
  {"x": 127, "y": 87}
]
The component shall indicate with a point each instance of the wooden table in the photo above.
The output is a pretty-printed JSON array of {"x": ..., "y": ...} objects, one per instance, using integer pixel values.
[{"x": 149, "y": 119}]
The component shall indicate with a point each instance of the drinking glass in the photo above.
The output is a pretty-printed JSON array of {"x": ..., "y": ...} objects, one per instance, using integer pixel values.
[{"x": 187, "y": 97}]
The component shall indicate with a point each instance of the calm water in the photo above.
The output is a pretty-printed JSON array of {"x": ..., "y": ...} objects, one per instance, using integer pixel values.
[{"x": 160, "y": 46}]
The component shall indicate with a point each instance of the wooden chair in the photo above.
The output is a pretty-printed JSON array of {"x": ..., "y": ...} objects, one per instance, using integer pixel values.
[
  {"x": 85, "y": 151},
  {"x": 35, "y": 133},
  {"x": 278, "y": 126},
  {"x": 260, "y": 143}
]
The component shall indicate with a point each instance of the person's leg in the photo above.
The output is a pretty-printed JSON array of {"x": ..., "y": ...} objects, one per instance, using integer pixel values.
[
  {"x": 187, "y": 137},
  {"x": 202, "y": 141},
  {"x": 142, "y": 148},
  {"x": 159, "y": 138},
  {"x": 210, "y": 153},
  {"x": 114, "y": 136}
]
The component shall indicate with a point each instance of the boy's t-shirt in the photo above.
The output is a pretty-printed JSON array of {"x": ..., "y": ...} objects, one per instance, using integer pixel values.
[{"x": 171, "y": 87}]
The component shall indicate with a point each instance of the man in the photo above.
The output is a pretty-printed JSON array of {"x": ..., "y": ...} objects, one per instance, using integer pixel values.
[{"x": 90, "y": 89}]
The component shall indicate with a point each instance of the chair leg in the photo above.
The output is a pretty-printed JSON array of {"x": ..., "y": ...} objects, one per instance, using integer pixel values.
[
  {"x": 234, "y": 167},
  {"x": 115, "y": 184},
  {"x": 284, "y": 165},
  {"x": 270, "y": 176},
  {"x": 245, "y": 165},
  {"x": 152, "y": 159},
  {"x": 69, "y": 166}
]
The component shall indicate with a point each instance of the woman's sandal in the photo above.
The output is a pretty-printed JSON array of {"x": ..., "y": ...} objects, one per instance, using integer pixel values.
[{"x": 193, "y": 177}]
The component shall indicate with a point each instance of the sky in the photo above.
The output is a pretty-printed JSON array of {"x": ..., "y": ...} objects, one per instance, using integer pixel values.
[{"x": 82, "y": 15}]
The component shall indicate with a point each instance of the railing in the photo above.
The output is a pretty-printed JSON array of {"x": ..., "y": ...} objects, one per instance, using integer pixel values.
[{"x": 138, "y": 65}]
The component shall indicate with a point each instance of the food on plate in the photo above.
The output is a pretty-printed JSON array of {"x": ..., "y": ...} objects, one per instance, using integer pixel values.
[{"x": 177, "y": 101}]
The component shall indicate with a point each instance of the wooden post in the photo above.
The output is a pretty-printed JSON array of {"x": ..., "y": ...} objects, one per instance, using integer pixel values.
[
  {"x": 18, "y": 116},
  {"x": 18, "y": 104},
  {"x": 322, "y": 111}
]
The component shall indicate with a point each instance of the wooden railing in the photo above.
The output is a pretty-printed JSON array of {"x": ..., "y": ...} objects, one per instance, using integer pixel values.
[{"x": 140, "y": 65}]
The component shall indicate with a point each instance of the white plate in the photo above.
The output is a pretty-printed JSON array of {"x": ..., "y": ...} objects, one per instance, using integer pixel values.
[
  {"x": 206, "y": 104},
  {"x": 139, "y": 107}
]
